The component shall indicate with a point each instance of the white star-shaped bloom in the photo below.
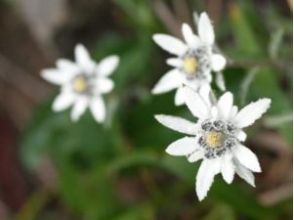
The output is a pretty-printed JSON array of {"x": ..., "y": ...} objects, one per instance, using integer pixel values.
[
  {"x": 82, "y": 83},
  {"x": 216, "y": 138},
  {"x": 194, "y": 61}
]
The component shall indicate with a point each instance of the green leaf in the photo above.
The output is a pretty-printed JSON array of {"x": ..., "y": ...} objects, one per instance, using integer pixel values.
[
  {"x": 86, "y": 142},
  {"x": 221, "y": 211},
  {"x": 244, "y": 35},
  {"x": 245, "y": 85},
  {"x": 134, "y": 159},
  {"x": 241, "y": 200},
  {"x": 141, "y": 211},
  {"x": 139, "y": 13},
  {"x": 266, "y": 84},
  {"x": 278, "y": 120},
  {"x": 135, "y": 59},
  {"x": 89, "y": 193},
  {"x": 275, "y": 43}
]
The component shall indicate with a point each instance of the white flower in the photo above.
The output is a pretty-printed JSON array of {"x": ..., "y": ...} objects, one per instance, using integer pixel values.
[
  {"x": 82, "y": 83},
  {"x": 194, "y": 61},
  {"x": 216, "y": 137}
]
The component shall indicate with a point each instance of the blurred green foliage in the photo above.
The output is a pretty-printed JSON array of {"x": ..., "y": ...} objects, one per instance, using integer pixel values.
[{"x": 93, "y": 161}]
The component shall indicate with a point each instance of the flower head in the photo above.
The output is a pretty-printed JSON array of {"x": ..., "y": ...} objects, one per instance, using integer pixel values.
[
  {"x": 194, "y": 59},
  {"x": 216, "y": 138},
  {"x": 82, "y": 83}
]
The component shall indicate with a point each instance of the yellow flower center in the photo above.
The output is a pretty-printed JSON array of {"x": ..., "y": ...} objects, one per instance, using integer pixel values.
[
  {"x": 214, "y": 139},
  {"x": 80, "y": 84},
  {"x": 190, "y": 65}
]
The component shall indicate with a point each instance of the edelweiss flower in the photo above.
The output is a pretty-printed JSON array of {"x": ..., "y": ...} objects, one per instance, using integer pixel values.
[
  {"x": 216, "y": 137},
  {"x": 82, "y": 83},
  {"x": 194, "y": 61}
]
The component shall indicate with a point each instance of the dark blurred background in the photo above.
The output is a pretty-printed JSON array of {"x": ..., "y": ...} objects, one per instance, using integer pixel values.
[{"x": 51, "y": 168}]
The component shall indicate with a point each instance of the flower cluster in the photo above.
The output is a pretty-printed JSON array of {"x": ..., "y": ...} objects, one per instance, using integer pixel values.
[{"x": 216, "y": 138}]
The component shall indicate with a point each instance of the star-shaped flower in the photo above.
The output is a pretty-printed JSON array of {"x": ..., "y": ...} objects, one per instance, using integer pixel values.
[
  {"x": 82, "y": 83},
  {"x": 194, "y": 61},
  {"x": 216, "y": 138}
]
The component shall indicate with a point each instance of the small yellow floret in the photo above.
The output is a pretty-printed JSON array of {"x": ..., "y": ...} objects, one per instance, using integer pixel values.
[
  {"x": 80, "y": 84},
  {"x": 214, "y": 139},
  {"x": 190, "y": 65}
]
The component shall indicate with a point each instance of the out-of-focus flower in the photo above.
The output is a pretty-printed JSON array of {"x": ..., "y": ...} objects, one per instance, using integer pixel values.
[
  {"x": 216, "y": 138},
  {"x": 194, "y": 61},
  {"x": 82, "y": 83}
]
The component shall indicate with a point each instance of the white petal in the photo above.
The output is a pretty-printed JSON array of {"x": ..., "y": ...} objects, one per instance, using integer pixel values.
[
  {"x": 170, "y": 44},
  {"x": 218, "y": 62},
  {"x": 63, "y": 101},
  {"x": 246, "y": 157},
  {"x": 67, "y": 66},
  {"x": 174, "y": 62},
  {"x": 97, "y": 108},
  {"x": 55, "y": 76},
  {"x": 244, "y": 173},
  {"x": 225, "y": 104},
  {"x": 220, "y": 82},
  {"x": 107, "y": 65},
  {"x": 204, "y": 92},
  {"x": 214, "y": 112},
  {"x": 234, "y": 111},
  {"x": 241, "y": 135},
  {"x": 193, "y": 84},
  {"x": 228, "y": 168},
  {"x": 252, "y": 112},
  {"x": 205, "y": 176},
  {"x": 169, "y": 81},
  {"x": 182, "y": 147},
  {"x": 195, "y": 17},
  {"x": 177, "y": 124},
  {"x": 191, "y": 39},
  {"x": 79, "y": 108},
  {"x": 83, "y": 59},
  {"x": 104, "y": 85},
  {"x": 196, "y": 104},
  {"x": 205, "y": 29},
  {"x": 208, "y": 77},
  {"x": 195, "y": 156},
  {"x": 180, "y": 96}
]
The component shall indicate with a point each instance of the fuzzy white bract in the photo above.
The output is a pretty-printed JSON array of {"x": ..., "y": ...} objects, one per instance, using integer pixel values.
[
  {"x": 216, "y": 138},
  {"x": 194, "y": 59},
  {"x": 82, "y": 83}
]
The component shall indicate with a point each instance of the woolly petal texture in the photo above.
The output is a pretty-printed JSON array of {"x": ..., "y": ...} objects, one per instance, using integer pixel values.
[
  {"x": 250, "y": 113},
  {"x": 187, "y": 68},
  {"x": 237, "y": 159},
  {"x": 178, "y": 124}
]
